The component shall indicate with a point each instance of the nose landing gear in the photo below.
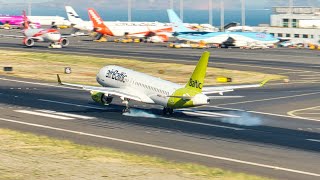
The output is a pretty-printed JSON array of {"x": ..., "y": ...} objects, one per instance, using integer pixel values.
[
  {"x": 167, "y": 110},
  {"x": 55, "y": 45}
]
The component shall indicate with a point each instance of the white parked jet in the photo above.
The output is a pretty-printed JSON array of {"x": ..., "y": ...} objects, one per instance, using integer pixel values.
[{"x": 129, "y": 85}]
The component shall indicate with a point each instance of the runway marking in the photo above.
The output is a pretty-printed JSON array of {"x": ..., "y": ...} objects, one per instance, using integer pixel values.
[
  {"x": 71, "y": 104},
  {"x": 264, "y": 113},
  {"x": 309, "y": 113},
  {"x": 204, "y": 124},
  {"x": 66, "y": 114},
  {"x": 293, "y": 113},
  {"x": 309, "y": 75},
  {"x": 43, "y": 114},
  {"x": 314, "y": 140},
  {"x": 269, "y": 99},
  {"x": 278, "y": 168},
  {"x": 214, "y": 114},
  {"x": 197, "y": 114},
  {"x": 311, "y": 78}
]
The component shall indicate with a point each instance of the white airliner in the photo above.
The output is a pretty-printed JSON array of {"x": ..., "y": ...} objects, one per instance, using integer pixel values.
[
  {"x": 129, "y": 85},
  {"x": 30, "y": 36},
  {"x": 117, "y": 28}
]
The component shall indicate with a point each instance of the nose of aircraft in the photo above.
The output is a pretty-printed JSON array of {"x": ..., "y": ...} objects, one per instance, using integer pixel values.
[{"x": 54, "y": 36}]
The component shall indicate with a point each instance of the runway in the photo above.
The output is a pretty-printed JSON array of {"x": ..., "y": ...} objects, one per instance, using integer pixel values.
[{"x": 273, "y": 131}]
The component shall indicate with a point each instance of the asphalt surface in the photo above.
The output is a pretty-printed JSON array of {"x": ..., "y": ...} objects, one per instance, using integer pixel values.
[{"x": 273, "y": 131}]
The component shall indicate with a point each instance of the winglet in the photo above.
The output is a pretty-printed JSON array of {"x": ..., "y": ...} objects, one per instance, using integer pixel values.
[
  {"x": 59, "y": 80},
  {"x": 264, "y": 82}
]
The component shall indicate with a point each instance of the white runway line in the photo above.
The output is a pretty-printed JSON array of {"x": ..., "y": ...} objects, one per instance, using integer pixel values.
[
  {"x": 264, "y": 113},
  {"x": 203, "y": 124},
  {"x": 197, "y": 114},
  {"x": 273, "y": 167},
  {"x": 66, "y": 114},
  {"x": 214, "y": 114},
  {"x": 44, "y": 114},
  {"x": 269, "y": 99},
  {"x": 71, "y": 104},
  {"x": 313, "y": 140}
]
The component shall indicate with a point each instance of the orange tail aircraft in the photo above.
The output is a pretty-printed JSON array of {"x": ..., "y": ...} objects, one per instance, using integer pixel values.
[{"x": 136, "y": 29}]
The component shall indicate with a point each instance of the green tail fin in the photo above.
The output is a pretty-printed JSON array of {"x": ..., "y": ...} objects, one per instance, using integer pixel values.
[{"x": 196, "y": 81}]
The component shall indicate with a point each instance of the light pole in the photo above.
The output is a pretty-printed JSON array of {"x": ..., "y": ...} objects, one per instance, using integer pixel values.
[
  {"x": 243, "y": 12},
  {"x": 129, "y": 10},
  {"x": 222, "y": 15},
  {"x": 29, "y": 7},
  {"x": 210, "y": 12},
  {"x": 181, "y": 10},
  {"x": 171, "y": 4}
]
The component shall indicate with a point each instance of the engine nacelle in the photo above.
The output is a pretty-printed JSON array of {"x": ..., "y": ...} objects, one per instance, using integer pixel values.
[
  {"x": 64, "y": 42},
  {"x": 29, "y": 42},
  {"x": 101, "y": 98}
]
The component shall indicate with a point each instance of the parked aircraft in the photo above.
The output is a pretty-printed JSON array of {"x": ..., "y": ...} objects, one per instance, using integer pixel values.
[
  {"x": 30, "y": 36},
  {"x": 241, "y": 38},
  {"x": 17, "y": 21},
  {"x": 129, "y": 85},
  {"x": 49, "y": 20},
  {"x": 117, "y": 28}
]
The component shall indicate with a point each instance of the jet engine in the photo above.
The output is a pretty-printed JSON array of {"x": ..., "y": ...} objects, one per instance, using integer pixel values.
[
  {"x": 101, "y": 98},
  {"x": 64, "y": 42},
  {"x": 29, "y": 42}
]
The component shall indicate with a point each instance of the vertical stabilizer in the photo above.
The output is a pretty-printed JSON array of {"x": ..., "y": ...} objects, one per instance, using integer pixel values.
[
  {"x": 73, "y": 16},
  {"x": 177, "y": 23},
  {"x": 196, "y": 81},
  {"x": 25, "y": 20},
  {"x": 98, "y": 23}
]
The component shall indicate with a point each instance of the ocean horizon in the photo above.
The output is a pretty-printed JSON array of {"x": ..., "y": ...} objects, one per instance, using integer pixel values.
[{"x": 253, "y": 17}]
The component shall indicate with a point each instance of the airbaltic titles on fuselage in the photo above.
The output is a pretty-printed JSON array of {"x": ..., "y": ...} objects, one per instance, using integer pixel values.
[
  {"x": 195, "y": 83},
  {"x": 116, "y": 75}
]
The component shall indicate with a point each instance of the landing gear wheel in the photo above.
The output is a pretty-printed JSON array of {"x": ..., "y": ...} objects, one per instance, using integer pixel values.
[
  {"x": 167, "y": 111},
  {"x": 126, "y": 110},
  {"x": 126, "y": 102},
  {"x": 164, "y": 111}
]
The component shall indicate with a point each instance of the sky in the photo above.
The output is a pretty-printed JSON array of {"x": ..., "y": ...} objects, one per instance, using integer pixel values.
[
  {"x": 148, "y": 4},
  {"x": 163, "y": 4}
]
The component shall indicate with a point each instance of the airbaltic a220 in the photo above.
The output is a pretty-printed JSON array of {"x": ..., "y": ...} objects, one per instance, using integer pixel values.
[{"x": 130, "y": 85}]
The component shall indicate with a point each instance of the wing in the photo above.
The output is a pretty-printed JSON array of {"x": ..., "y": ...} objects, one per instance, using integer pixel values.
[
  {"x": 13, "y": 36},
  {"x": 222, "y": 89},
  {"x": 121, "y": 92}
]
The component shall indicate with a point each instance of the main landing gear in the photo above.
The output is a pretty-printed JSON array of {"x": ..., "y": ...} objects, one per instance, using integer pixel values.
[
  {"x": 167, "y": 110},
  {"x": 126, "y": 102},
  {"x": 55, "y": 45}
]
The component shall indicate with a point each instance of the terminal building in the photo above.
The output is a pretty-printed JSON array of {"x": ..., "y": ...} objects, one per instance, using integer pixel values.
[{"x": 297, "y": 24}]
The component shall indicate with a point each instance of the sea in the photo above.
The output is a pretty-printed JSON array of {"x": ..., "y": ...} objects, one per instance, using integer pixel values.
[{"x": 253, "y": 16}]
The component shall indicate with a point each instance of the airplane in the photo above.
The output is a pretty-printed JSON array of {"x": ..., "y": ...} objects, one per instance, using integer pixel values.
[
  {"x": 17, "y": 21},
  {"x": 155, "y": 31},
  {"x": 30, "y": 36},
  {"x": 241, "y": 38},
  {"x": 130, "y": 85}
]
